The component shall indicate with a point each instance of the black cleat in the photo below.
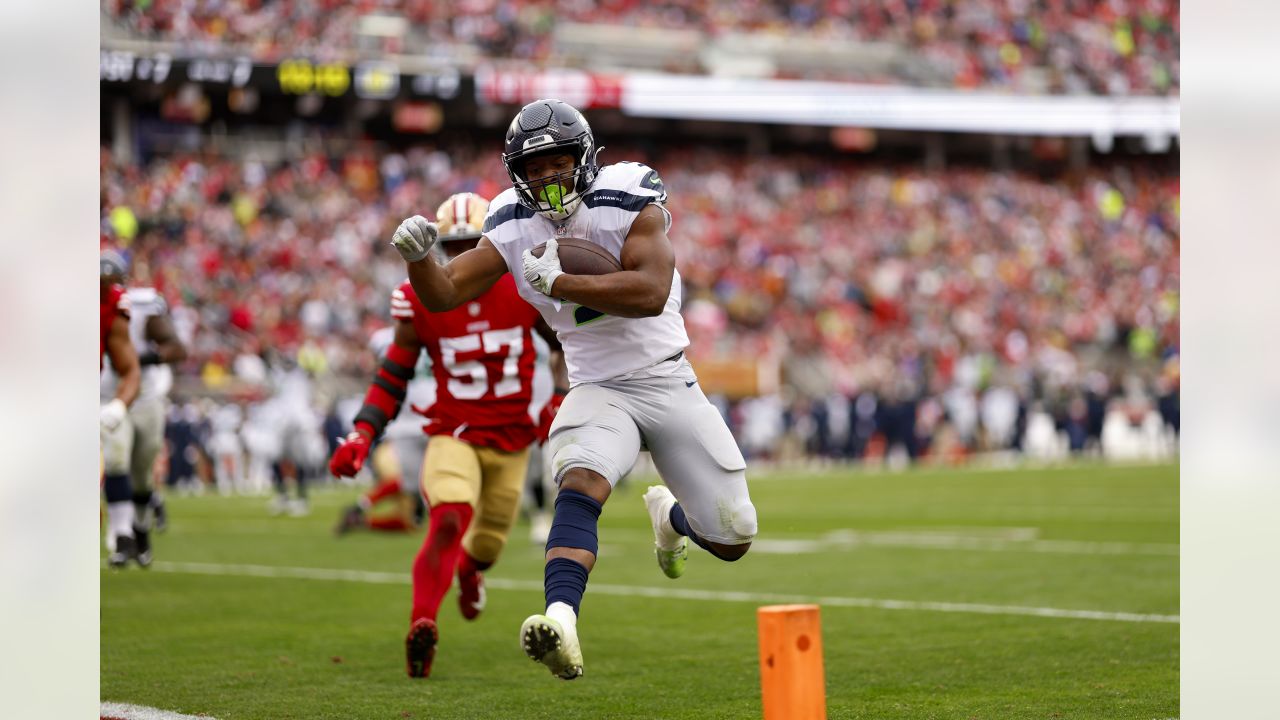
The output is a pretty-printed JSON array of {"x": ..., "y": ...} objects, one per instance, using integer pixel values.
[
  {"x": 162, "y": 516},
  {"x": 142, "y": 540},
  {"x": 420, "y": 647},
  {"x": 125, "y": 551},
  {"x": 352, "y": 518}
]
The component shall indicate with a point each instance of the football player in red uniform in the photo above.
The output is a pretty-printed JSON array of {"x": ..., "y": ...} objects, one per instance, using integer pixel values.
[
  {"x": 482, "y": 355},
  {"x": 115, "y": 431}
]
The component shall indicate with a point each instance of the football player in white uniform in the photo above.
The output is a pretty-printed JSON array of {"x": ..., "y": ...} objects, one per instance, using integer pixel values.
[
  {"x": 115, "y": 432},
  {"x": 152, "y": 333},
  {"x": 623, "y": 338}
]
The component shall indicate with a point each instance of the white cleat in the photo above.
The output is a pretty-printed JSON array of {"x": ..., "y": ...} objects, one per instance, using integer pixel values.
[
  {"x": 671, "y": 547},
  {"x": 553, "y": 644}
]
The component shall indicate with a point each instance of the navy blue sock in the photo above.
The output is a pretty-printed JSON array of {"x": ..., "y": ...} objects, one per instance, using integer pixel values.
[
  {"x": 117, "y": 488},
  {"x": 565, "y": 580},
  {"x": 574, "y": 524},
  {"x": 681, "y": 525}
]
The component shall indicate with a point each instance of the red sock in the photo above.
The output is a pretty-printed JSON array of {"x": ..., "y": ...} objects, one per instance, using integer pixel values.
[
  {"x": 388, "y": 523},
  {"x": 384, "y": 489},
  {"x": 468, "y": 565},
  {"x": 433, "y": 568}
]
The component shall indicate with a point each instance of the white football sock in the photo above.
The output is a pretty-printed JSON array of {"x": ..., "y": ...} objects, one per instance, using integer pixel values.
[
  {"x": 120, "y": 517},
  {"x": 562, "y": 613}
]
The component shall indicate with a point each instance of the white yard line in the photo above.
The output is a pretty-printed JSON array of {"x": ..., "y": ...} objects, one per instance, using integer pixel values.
[
  {"x": 400, "y": 578},
  {"x": 978, "y": 539},
  {"x": 852, "y": 540},
  {"x": 142, "y": 712}
]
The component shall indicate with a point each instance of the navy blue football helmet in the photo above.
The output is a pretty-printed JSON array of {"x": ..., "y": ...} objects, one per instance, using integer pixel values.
[{"x": 551, "y": 127}]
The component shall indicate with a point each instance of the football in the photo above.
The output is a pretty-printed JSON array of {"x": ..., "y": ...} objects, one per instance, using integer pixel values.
[{"x": 582, "y": 257}]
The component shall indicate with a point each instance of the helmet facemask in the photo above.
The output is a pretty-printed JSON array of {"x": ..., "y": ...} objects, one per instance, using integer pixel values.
[{"x": 548, "y": 195}]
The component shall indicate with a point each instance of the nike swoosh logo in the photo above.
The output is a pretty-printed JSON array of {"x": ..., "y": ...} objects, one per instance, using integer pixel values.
[{"x": 691, "y": 383}]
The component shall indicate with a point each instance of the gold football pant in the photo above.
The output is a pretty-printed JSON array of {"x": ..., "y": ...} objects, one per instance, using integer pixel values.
[{"x": 490, "y": 481}]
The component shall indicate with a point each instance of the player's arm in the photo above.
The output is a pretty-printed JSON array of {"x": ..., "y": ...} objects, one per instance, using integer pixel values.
[
  {"x": 381, "y": 402},
  {"x": 124, "y": 360},
  {"x": 167, "y": 346},
  {"x": 390, "y": 382},
  {"x": 642, "y": 287},
  {"x": 462, "y": 280},
  {"x": 445, "y": 287}
]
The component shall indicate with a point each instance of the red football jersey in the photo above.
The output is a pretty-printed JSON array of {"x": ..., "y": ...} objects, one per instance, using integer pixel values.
[
  {"x": 113, "y": 303},
  {"x": 482, "y": 356}
]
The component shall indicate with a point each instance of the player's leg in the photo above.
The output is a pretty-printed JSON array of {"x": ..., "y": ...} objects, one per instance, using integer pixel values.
[
  {"x": 386, "y": 482},
  {"x": 117, "y": 450},
  {"x": 404, "y": 494},
  {"x": 593, "y": 443},
  {"x": 540, "y": 493},
  {"x": 411, "y": 452},
  {"x": 501, "y": 486},
  {"x": 451, "y": 484},
  {"x": 147, "y": 416},
  {"x": 707, "y": 501}
]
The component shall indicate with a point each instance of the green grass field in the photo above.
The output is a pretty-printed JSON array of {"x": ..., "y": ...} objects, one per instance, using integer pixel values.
[{"x": 1023, "y": 594}]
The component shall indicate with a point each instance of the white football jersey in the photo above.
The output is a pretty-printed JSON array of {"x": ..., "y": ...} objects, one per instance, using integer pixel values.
[
  {"x": 597, "y": 347},
  {"x": 144, "y": 304}
]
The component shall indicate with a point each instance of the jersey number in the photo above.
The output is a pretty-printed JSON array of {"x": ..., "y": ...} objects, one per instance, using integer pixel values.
[{"x": 468, "y": 379}]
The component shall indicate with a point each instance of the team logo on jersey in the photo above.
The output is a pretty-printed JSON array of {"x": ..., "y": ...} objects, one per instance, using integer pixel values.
[
  {"x": 474, "y": 309},
  {"x": 583, "y": 315},
  {"x": 652, "y": 181}
]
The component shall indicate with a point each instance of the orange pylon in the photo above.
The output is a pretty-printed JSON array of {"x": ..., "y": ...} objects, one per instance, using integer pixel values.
[{"x": 792, "y": 680}]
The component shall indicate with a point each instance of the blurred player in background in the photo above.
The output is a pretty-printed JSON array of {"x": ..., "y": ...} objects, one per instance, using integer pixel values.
[
  {"x": 482, "y": 355},
  {"x": 115, "y": 429},
  {"x": 152, "y": 333},
  {"x": 624, "y": 341},
  {"x": 397, "y": 460},
  {"x": 294, "y": 443}
]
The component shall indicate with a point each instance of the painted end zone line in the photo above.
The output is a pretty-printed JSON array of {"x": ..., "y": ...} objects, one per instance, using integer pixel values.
[{"x": 386, "y": 578}]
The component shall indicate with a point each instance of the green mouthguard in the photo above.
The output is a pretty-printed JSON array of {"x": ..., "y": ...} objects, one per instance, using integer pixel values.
[{"x": 551, "y": 194}]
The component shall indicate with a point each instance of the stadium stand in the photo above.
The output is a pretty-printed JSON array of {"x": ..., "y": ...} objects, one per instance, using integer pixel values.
[{"x": 1116, "y": 47}]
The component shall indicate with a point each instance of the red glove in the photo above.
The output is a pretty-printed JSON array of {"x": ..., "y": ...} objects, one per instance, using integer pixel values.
[
  {"x": 350, "y": 455},
  {"x": 548, "y": 416}
]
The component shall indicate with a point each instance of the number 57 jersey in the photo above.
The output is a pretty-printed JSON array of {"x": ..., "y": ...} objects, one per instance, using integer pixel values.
[{"x": 482, "y": 355}]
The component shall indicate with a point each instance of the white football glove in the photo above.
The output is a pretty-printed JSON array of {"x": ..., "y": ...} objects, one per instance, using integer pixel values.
[
  {"x": 542, "y": 272},
  {"x": 112, "y": 414},
  {"x": 415, "y": 237}
]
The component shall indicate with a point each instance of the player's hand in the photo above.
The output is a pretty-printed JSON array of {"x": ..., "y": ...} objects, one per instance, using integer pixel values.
[
  {"x": 542, "y": 272},
  {"x": 415, "y": 238},
  {"x": 548, "y": 416},
  {"x": 350, "y": 455},
  {"x": 112, "y": 414}
]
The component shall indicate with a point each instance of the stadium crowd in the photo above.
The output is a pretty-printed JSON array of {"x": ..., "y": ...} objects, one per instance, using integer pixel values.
[
  {"x": 938, "y": 310},
  {"x": 1108, "y": 47}
]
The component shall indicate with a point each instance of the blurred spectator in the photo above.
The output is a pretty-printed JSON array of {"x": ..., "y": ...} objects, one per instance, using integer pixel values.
[{"x": 1107, "y": 47}]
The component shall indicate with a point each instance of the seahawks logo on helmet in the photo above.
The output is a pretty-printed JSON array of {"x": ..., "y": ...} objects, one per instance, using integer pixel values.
[{"x": 551, "y": 127}]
